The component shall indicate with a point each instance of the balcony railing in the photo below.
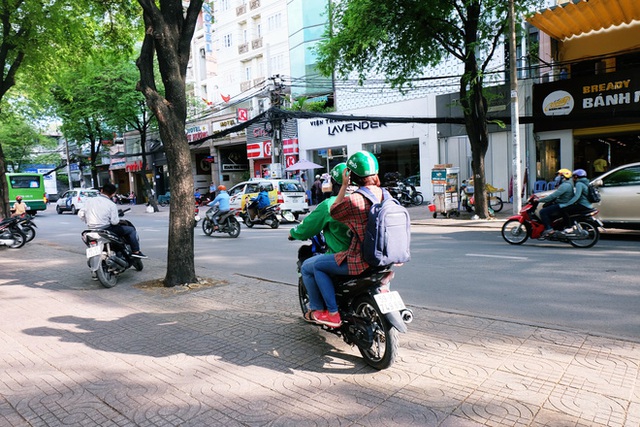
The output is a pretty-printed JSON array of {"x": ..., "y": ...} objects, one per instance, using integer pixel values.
[
  {"x": 254, "y": 4},
  {"x": 245, "y": 85},
  {"x": 241, "y": 9},
  {"x": 256, "y": 43},
  {"x": 243, "y": 48}
]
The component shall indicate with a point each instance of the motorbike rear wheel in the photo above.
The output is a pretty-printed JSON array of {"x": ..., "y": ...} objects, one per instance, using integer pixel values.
[
  {"x": 207, "y": 226},
  {"x": 593, "y": 232},
  {"x": 19, "y": 239},
  {"x": 107, "y": 278},
  {"x": 233, "y": 226},
  {"x": 384, "y": 350},
  {"x": 515, "y": 232}
]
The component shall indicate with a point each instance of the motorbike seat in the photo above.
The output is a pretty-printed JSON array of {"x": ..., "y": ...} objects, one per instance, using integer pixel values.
[{"x": 338, "y": 280}]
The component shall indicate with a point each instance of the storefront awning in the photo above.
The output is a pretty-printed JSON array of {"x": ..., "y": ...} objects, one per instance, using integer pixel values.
[{"x": 582, "y": 16}]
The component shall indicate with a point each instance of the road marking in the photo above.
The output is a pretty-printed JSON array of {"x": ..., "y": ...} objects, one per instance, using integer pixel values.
[{"x": 499, "y": 256}]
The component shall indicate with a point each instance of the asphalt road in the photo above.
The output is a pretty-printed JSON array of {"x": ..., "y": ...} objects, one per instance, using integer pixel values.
[{"x": 453, "y": 269}]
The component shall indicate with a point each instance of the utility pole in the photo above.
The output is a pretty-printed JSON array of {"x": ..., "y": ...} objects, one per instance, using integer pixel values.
[
  {"x": 277, "y": 158},
  {"x": 515, "y": 121}
]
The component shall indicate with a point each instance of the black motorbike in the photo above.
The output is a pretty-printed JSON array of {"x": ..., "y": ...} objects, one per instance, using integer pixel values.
[
  {"x": 27, "y": 226},
  {"x": 270, "y": 215},
  {"x": 108, "y": 255},
  {"x": 371, "y": 314},
  {"x": 406, "y": 194},
  {"x": 10, "y": 234},
  {"x": 227, "y": 223}
]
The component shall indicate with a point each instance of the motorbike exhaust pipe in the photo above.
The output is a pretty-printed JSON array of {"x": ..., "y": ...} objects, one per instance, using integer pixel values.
[
  {"x": 116, "y": 262},
  {"x": 407, "y": 315}
]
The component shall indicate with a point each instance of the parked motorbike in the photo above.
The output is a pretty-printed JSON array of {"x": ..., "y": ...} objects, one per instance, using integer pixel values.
[
  {"x": 582, "y": 231},
  {"x": 27, "y": 226},
  {"x": 227, "y": 223},
  {"x": 10, "y": 234},
  {"x": 406, "y": 194},
  {"x": 371, "y": 314},
  {"x": 108, "y": 255},
  {"x": 269, "y": 216},
  {"x": 120, "y": 199}
]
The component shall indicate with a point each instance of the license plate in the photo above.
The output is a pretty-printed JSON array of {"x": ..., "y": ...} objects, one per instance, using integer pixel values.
[
  {"x": 94, "y": 251},
  {"x": 389, "y": 301}
]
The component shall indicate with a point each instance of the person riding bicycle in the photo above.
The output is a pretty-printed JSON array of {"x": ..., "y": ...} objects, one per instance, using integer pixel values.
[
  {"x": 220, "y": 205},
  {"x": 562, "y": 195},
  {"x": 337, "y": 237}
]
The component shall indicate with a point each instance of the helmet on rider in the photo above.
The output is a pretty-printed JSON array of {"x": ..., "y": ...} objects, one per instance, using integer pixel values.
[
  {"x": 580, "y": 173},
  {"x": 363, "y": 164},
  {"x": 336, "y": 172},
  {"x": 262, "y": 188},
  {"x": 18, "y": 198},
  {"x": 222, "y": 187},
  {"x": 566, "y": 173}
]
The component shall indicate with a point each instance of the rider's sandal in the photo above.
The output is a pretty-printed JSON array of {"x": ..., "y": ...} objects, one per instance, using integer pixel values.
[{"x": 308, "y": 317}]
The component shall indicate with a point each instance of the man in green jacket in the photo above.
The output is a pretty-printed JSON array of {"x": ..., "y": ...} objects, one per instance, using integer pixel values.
[
  {"x": 561, "y": 196},
  {"x": 336, "y": 235}
]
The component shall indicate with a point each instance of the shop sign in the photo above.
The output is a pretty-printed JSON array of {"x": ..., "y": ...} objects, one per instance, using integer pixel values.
[
  {"x": 134, "y": 166},
  {"x": 599, "y": 100},
  {"x": 335, "y": 127},
  {"x": 116, "y": 163},
  {"x": 259, "y": 150},
  {"x": 290, "y": 146},
  {"x": 196, "y": 132}
]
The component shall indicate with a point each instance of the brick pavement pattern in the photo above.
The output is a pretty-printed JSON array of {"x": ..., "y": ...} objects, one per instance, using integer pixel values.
[{"x": 239, "y": 354}]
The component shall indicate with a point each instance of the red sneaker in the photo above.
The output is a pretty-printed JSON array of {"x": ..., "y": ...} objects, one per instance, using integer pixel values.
[{"x": 326, "y": 318}]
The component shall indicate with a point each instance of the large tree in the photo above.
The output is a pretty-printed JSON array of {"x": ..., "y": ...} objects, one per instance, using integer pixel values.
[
  {"x": 400, "y": 38},
  {"x": 169, "y": 29},
  {"x": 36, "y": 35}
]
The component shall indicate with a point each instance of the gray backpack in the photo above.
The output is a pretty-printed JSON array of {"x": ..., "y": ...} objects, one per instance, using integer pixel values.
[{"x": 388, "y": 234}]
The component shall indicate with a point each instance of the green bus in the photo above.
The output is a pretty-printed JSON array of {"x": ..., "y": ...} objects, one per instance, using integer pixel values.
[{"x": 31, "y": 187}]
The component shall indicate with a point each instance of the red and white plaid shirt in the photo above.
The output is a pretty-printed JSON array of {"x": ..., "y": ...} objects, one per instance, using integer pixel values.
[{"x": 353, "y": 211}]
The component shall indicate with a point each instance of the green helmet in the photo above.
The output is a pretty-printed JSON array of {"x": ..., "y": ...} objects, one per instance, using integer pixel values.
[
  {"x": 363, "y": 164},
  {"x": 336, "y": 172}
]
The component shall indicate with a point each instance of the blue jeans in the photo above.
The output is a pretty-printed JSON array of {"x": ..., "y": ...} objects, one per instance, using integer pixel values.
[
  {"x": 316, "y": 276},
  {"x": 129, "y": 233},
  {"x": 548, "y": 213}
]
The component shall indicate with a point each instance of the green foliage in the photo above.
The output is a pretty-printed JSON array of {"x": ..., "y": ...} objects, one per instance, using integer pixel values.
[{"x": 303, "y": 104}]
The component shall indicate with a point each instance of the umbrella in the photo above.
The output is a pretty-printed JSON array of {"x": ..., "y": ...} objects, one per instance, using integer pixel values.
[{"x": 303, "y": 165}]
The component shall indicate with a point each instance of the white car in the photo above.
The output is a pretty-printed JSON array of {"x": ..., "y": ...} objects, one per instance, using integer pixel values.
[
  {"x": 620, "y": 193},
  {"x": 289, "y": 193},
  {"x": 73, "y": 200}
]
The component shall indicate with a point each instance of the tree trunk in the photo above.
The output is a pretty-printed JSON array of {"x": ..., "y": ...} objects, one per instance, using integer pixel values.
[{"x": 5, "y": 209}]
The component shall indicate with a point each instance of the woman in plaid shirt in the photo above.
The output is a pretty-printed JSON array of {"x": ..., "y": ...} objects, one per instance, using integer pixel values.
[{"x": 352, "y": 211}]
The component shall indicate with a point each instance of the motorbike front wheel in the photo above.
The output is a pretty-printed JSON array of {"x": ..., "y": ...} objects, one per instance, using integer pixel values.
[
  {"x": 234, "y": 227},
  {"x": 247, "y": 221},
  {"x": 106, "y": 277},
  {"x": 303, "y": 297},
  {"x": 274, "y": 223},
  {"x": 207, "y": 226},
  {"x": 417, "y": 199},
  {"x": 137, "y": 264},
  {"x": 515, "y": 232},
  {"x": 29, "y": 232},
  {"x": 384, "y": 348},
  {"x": 591, "y": 234}
]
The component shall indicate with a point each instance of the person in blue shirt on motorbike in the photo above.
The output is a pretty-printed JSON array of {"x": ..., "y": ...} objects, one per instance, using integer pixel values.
[
  {"x": 220, "y": 204},
  {"x": 263, "y": 199}
]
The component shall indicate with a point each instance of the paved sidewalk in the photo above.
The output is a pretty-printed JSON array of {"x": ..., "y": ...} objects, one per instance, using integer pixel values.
[{"x": 237, "y": 353}]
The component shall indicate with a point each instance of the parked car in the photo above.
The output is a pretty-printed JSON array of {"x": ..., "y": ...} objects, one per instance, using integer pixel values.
[
  {"x": 289, "y": 193},
  {"x": 73, "y": 200},
  {"x": 620, "y": 193}
]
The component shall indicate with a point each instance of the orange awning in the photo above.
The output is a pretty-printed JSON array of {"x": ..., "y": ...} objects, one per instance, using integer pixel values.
[{"x": 582, "y": 16}]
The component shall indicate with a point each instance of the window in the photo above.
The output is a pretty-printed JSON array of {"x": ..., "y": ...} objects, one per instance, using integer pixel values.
[
  {"x": 247, "y": 73},
  {"x": 274, "y": 22},
  {"x": 224, "y": 4},
  {"x": 25, "y": 181},
  {"x": 227, "y": 40},
  {"x": 623, "y": 177}
]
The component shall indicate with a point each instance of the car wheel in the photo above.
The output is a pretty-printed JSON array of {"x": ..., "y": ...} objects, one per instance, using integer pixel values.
[
  {"x": 74, "y": 211},
  {"x": 59, "y": 210}
]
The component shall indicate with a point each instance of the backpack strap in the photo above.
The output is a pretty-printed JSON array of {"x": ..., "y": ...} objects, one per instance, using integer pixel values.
[{"x": 372, "y": 197}]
